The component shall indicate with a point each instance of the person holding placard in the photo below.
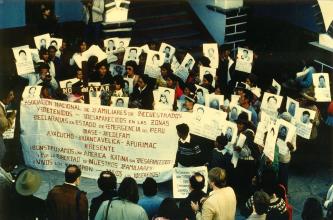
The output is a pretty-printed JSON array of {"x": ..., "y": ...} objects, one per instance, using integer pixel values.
[
  {"x": 221, "y": 203},
  {"x": 285, "y": 157},
  {"x": 245, "y": 167},
  {"x": 207, "y": 82},
  {"x": 142, "y": 96},
  {"x": 245, "y": 101},
  {"x": 189, "y": 152}
]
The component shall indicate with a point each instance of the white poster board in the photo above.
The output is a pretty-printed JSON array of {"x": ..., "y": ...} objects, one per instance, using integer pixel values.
[
  {"x": 129, "y": 142},
  {"x": 180, "y": 180},
  {"x": 211, "y": 51},
  {"x": 119, "y": 102},
  {"x": 303, "y": 122},
  {"x": 23, "y": 60},
  {"x": 321, "y": 82},
  {"x": 31, "y": 92},
  {"x": 244, "y": 60}
]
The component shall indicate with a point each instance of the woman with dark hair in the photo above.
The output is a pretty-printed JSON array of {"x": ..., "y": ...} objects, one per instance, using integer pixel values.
[
  {"x": 142, "y": 96},
  {"x": 107, "y": 182},
  {"x": 132, "y": 71},
  {"x": 168, "y": 210},
  {"x": 124, "y": 206}
]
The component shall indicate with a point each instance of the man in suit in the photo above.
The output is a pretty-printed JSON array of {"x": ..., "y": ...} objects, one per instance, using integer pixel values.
[
  {"x": 67, "y": 201},
  {"x": 6, "y": 120},
  {"x": 221, "y": 202}
]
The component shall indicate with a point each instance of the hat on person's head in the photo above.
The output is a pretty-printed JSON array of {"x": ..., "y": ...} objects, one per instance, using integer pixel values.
[
  {"x": 256, "y": 91},
  {"x": 28, "y": 182},
  {"x": 243, "y": 118}
]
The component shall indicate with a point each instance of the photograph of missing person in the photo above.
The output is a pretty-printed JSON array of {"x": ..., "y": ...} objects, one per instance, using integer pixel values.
[
  {"x": 23, "y": 60},
  {"x": 230, "y": 131},
  {"x": 211, "y": 51},
  {"x": 119, "y": 102},
  {"x": 116, "y": 69},
  {"x": 322, "y": 88},
  {"x": 200, "y": 94},
  {"x": 168, "y": 52},
  {"x": 283, "y": 132},
  {"x": 320, "y": 80},
  {"x": 207, "y": 70},
  {"x": 188, "y": 62},
  {"x": 292, "y": 106},
  {"x": 128, "y": 85},
  {"x": 122, "y": 44},
  {"x": 214, "y": 101},
  {"x": 31, "y": 92},
  {"x": 110, "y": 44},
  {"x": 199, "y": 113},
  {"x": 56, "y": 42},
  {"x": 154, "y": 59},
  {"x": 132, "y": 53},
  {"x": 271, "y": 102},
  {"x": 233, "y": 114},
  {"x": 42, "y": 41}
]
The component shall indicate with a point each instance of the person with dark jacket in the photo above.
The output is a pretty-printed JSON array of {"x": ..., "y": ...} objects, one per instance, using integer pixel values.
[
  {"x": 190, "y": 152},
  {"x": 107, "y": 182},
  {"x": 30, "y": 207},
  {"x": 67, "y": 201},
  {"x": 197, "y": 183},
  {"x": 142, "y": 96}
]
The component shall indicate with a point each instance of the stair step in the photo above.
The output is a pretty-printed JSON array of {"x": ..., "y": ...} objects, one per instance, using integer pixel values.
[
  {"x": 137, "y": 13},
  {"x": 162, "y": 16},
  {"x": 164, "y": 27}
]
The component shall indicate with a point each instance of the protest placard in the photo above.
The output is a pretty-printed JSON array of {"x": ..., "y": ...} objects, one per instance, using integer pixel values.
[
  {"x": 321, "y": 82},
  {"x": 211, "y": 51},
  {"x": 56, "y": 133},
  {"x": 180, "y": 180},
  {"x": 31, "y": 92},
  {"x": 214, "y": 101},
  {"x": 9, "y": 133},
  {"x": 168, "y": 52},
  {"x": 42, "y": 41},
  {"x": 119, "y": 102},
  {"x": 303, "y": 122},
  {"x": 207, "y": 70},
  {"x": 244, "y": 60},
  {"x": 23, "y": 60}
]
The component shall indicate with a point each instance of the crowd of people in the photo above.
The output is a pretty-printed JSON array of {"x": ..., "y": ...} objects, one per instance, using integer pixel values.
[{"x": 258, "y": 186}]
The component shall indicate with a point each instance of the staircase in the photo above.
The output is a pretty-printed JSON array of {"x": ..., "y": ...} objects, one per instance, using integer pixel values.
[{"x": 172, "y": 22}]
